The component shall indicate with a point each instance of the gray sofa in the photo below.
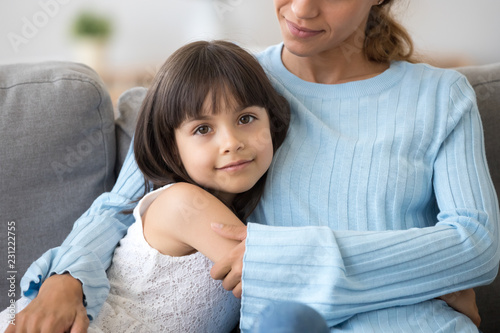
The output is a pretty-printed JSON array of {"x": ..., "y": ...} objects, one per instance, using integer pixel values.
[{"x": 62, "y": 144}]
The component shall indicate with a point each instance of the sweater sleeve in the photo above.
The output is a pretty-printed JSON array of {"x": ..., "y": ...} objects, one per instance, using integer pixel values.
[
  {"x": 342, "y": 273},
  {"x": 87, "y": 251}
]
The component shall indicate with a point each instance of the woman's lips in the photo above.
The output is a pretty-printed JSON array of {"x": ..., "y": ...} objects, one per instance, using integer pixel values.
[{"x": 301, "y": 32}]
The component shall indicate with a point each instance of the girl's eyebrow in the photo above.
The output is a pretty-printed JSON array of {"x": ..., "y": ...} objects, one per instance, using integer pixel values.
[
  {"x": 204, "y": 116},
  {"x": 201, "y": 117},
  {"x": 198, "y": 117}
]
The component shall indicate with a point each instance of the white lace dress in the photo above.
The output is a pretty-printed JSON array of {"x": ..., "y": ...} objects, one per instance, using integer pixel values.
[{"x": 151, "y": 292}]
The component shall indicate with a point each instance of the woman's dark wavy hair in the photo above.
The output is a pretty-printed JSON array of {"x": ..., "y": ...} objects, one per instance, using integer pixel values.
[
  {"x": 226, "y": 72},
  {"x": 385, "y": 39}
]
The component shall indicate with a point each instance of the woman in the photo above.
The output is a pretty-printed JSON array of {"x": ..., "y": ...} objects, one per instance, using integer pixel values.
[
  {"x": 382, "y": 177},
  {"x": 397, "y": 147}
]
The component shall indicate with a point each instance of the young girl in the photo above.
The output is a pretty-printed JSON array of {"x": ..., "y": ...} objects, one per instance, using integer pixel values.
[{"x": 205, "y": 137}]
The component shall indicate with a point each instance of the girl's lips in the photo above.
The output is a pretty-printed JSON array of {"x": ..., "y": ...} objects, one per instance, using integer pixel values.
[
  {"x": 301, "y": 32},
  {"x": 235, "y": 166}
]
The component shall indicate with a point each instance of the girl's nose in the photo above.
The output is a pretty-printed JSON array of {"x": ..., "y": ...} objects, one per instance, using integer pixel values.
[
  {"x": 305, "y": 9},
  {"x": 230, "y": 142}
]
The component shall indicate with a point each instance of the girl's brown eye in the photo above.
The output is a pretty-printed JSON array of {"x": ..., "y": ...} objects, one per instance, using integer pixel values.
[
  {"x": 246, "y": 119},
  {"x": 202, "y": 130}
]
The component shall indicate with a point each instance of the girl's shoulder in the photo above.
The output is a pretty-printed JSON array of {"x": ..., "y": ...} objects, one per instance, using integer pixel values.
[
  {"x": 168, "y": 212},
  {"x": 182, "y": 194},
  {"x": 181, "y": 202},
  {"x": 179, "y": 219}
]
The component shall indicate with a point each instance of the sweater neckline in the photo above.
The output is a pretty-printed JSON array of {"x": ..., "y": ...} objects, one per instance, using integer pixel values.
[{"x": 373, "y": 85}]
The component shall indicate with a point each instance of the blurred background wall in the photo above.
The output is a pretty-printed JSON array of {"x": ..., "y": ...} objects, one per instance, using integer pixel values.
[{"x": 143, "y": 33}]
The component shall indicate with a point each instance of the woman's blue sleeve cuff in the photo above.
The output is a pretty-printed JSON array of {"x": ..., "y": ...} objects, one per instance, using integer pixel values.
[{"x": 79, "y": 263}]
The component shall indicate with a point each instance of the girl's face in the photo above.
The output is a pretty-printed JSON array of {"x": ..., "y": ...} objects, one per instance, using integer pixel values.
[
  {"x": 228, "y": 151},
  {"x": 313, "y": 27}
]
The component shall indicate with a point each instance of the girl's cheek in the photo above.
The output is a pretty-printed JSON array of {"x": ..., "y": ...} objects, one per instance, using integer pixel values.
[{"x": 264, "y": 139}]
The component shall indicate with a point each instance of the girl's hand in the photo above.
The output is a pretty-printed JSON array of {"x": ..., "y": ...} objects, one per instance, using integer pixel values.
[
  {"x": 58, "y": 308},
  {"x": 229, "y": 269},
  {"x": 464, "y": 301}
]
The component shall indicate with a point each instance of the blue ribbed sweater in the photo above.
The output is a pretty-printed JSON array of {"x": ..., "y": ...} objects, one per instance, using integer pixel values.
[{"x": 383, "y": 187}]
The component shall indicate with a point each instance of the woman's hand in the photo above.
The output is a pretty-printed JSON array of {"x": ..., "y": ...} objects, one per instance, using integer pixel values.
[
  {"x": 464, "y": 301},
  {"x": 58, "y": 308},
  {"x": 229, "y": 269}
]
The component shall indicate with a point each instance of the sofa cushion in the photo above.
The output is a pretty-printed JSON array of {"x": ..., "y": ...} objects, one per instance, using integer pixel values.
[
  {"x": 57, "y": 148},
  {"x": 486, "y": 82}
]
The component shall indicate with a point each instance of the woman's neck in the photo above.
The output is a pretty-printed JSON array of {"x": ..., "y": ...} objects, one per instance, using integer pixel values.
[{"x": 334, "y": 67}]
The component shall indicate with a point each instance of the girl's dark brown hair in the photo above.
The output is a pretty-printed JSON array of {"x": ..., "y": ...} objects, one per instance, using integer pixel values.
[
  {"x": 385, "y": 39},
  {"x": 226, "y": 72}
]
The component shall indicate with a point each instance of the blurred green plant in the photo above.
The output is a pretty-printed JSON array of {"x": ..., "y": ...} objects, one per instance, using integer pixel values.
[{"x": 92, "y": 25}]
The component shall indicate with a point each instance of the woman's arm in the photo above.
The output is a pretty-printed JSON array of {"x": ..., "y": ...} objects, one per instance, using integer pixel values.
[
  {"x": 178, "y": 222},
  {"x": 85, "y": 254},
  {"x": 345, "y": 272}
]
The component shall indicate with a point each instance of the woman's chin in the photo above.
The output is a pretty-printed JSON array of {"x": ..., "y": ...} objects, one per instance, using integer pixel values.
[{"x": 299, "y": 49}]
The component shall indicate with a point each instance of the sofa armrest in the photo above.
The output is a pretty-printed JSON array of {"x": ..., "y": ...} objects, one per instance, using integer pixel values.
[{"x": 57, "y": 142}]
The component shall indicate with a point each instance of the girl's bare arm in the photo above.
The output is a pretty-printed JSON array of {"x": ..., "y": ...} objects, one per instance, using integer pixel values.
[{"x": 178, "y": 222}]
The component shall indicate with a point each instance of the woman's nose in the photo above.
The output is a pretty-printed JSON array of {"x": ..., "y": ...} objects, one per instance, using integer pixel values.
[{"x": 305, "y": 9}]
